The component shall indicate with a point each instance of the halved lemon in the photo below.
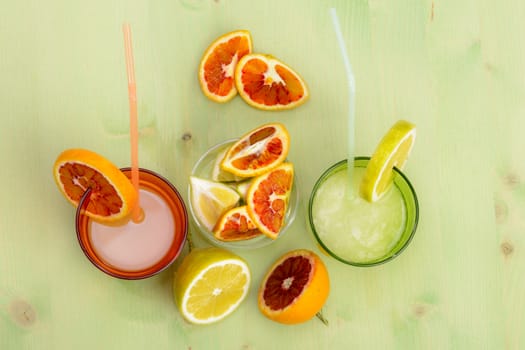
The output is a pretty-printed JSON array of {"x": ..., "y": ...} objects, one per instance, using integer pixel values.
[
  {"x": 210, "y": 199},
  {"x": 112, "y": 193},
  {"x": 210, "y": 284},
  {"x": 218, "y": 63},
  {"x": 392, "y": 151},
  {"x": 258, "y": 151},
  {"x": 266, "y": 83}
]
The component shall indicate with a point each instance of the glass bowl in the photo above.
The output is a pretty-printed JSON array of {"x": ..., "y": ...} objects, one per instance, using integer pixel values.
[
  {"x": 411, "y": 216},
  {"x": 203, "y": 169}
]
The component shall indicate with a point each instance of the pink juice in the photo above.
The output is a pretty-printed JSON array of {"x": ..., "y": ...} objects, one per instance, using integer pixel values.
[
  {"x": 136, "y": 246},
  {"x": 142, "y": 249}
]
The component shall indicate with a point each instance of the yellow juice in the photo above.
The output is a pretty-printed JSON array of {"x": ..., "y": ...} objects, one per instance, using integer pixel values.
[
  {"x": 353, "y": 228},
  {"x": 355, "y": 231}
]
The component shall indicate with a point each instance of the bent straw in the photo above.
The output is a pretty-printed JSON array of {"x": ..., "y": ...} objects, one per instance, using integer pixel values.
[
  {"x": 351, "y": 99},
  {"x": 133, "y": 123}
]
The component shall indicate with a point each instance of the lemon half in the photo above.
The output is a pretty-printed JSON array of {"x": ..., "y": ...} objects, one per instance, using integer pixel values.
[{"x": 210, "y": 284}]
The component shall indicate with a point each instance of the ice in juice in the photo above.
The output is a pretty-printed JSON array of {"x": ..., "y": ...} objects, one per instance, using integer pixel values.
[
  {"x": 356, "y": 231},
  {"x": 353, "y": 228}
]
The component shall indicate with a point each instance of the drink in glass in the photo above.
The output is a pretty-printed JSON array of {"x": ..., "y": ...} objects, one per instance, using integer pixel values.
[
  {"x": 135, "y": 250},
  {"x": 355, "y": 231}
]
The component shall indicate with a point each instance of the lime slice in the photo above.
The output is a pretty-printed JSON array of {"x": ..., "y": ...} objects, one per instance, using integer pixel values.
[
  {"x": 242, "y": 188},
  {"x": 210, "y": 284},
  {"x": 218, "y": 174},
  {"x": 210, "y": 200},
  {"x": 392, "y": 151}
]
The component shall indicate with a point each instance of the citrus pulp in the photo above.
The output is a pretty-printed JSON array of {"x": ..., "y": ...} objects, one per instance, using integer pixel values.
[
  {"x": 392, "y": 151},
  {"x": 210, "y": 284},
  {"x": 112, "y": 193},
  {"x": 295, "y": 288},
  {"x": 258, "y": 151},
  {"x": 267, "y": 199},
  {"x": 267, "y": 83},
  {"x": 217, "y": 66}
]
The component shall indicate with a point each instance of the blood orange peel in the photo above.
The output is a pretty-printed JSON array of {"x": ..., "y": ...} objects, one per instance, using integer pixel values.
[
  {"x": 112, "y": 193},
  {"x": 236, "y": 225},
  {"x": 267, "y": 83},
  {"x": 258, "y": 151},
  {"x": 218, "y": 63},
  {"x": 295, "y": 288},
  {"x": 267, "y": 199}
]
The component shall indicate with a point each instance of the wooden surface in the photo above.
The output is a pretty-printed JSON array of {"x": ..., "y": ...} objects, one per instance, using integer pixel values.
[{"x": 456, "y": 68}]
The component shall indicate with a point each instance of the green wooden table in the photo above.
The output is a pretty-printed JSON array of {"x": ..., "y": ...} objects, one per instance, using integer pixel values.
[{"x": 454, "y": 68}]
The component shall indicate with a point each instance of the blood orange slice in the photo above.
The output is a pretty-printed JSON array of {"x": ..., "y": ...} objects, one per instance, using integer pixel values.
[
  {"x": 259, "y": 151},
  {"x": 236, "y": 225},
  {"x": 112, "y": 193},
  {"x": 267, "y": 83},
  {"x": 217, "y": 66},
  {"x": 295, "y": 288},
  {"x": 267, "y": 199}
]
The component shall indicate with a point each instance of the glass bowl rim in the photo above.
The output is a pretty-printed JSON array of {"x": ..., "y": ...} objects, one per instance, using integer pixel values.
[{"x": 258, "y": 242}]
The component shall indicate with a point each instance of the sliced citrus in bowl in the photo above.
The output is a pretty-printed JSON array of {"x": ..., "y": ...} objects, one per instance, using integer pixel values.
[
  {"x": 295, "y": 288},
  {"x": 267, "y": 83},
  {"x": 218, "y": 174},
  {"x": 112, "y": 193},
  {"x": 209, "y": 284},
  {"x": 242, "y": 188},
  {"x": 210, "y": 199},
  {"x": 217, "y": 66},
  {"x": 267, "y": 199},
  {"x": 392, "y": 151},
  {"x": 258, "y": 151},
  {"x": 236, "y": 225}
]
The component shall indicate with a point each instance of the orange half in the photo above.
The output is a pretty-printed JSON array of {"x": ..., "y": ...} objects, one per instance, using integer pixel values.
[
  {"x": 266, "y": 83},
  {"x": 217, "y": 66},
  {"x": 295, "y": 288},
  {"x": 112, "y": 193}
]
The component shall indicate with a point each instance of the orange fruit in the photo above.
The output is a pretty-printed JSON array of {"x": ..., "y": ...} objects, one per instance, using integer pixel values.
[
  {"x": 295, "y": 288},
  {"x": 235, "y": 225},
  {"x": 217, "y": 66},
  {"x": 267, "y": 83},
  {"x": 267, "y": 199},
  {"x": 258, "y": 151},
  {"x": 112, "y": 193}
]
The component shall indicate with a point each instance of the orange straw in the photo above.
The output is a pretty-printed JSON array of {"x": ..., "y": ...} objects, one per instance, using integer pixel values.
[{"x": 133, "y": 123}]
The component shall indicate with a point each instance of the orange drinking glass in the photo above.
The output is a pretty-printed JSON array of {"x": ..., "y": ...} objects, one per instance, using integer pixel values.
[{"x": 120, "y": 250}]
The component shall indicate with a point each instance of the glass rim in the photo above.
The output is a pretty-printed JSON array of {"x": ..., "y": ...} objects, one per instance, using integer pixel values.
[
  {"x": 163, "y": 263},
  {"x": 390, "y": 255}
]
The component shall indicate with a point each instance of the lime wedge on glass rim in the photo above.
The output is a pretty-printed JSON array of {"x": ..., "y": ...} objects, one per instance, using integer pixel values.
[{"x": 392, "y": 151}]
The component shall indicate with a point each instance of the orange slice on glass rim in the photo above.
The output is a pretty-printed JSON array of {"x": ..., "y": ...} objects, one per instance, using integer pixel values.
[
  {"x": 112, "y": 193},
  {"x": 267, "y": 83},
  {"x": 236, "y": 225},
  {"x": 258, "y": 151},
  {"x": 267, "y": 199},
  {"x": 217, "y": 66}
]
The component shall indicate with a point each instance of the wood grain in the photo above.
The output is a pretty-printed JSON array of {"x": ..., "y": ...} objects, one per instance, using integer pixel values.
[{"x": 454, "y": 68}]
